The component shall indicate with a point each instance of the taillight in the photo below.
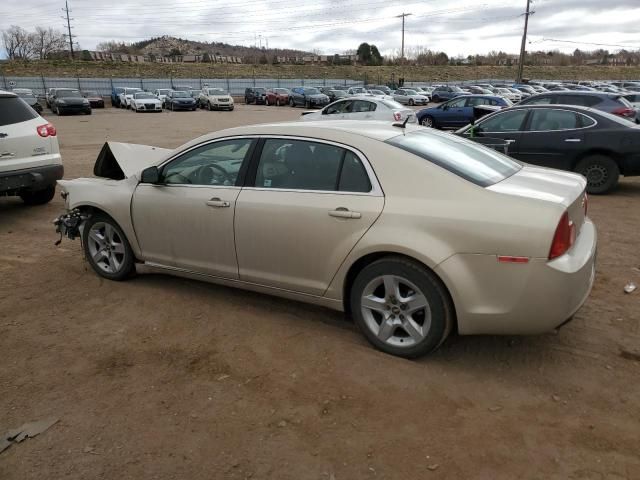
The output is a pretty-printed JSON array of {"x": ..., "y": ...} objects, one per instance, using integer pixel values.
[
  {"x": 624, "y": 112},
  {"x": 47, "y": 130},
  {"x": 397, "y": 116},
  {"x": 564, "y": 237}
]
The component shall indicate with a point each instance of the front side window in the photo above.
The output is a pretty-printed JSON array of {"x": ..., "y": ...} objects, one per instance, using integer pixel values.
[
  {"x": 469, "y": 160},
  {"x": 459, "y": 103},
  {"x": 472, "y": 102},
  {"x": 339, "y": 107},
  {"x": 503, "y": 122},
  {"x": 545, "y": 119},
  {"x": 304, "y": 165},
  {"x": 214, "y": 164}
]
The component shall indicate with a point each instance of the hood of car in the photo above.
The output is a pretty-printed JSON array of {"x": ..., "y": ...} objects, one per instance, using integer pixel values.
[
  {"x": 71, "y": 100},
  {"x": 121, "y": 160},
  {"x": 183, "y": 100},
  {"x": 147, "y": 100},
  {"x": 319, "y": 96}
]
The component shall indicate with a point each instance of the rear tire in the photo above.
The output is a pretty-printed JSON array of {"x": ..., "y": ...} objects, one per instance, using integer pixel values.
[
  {"x": 428, "y": 122},
  {"x": 292, "y": 103},
  {"x": 602, "y": 173},
  {"x": 38, "y": 197},
  {"x": 106, "y": 248},
  {"x": 401, "y": 307}
]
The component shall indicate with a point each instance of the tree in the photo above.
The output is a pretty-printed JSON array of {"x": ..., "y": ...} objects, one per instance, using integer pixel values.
[
  {"x": 85, "y": 56},
  {"x": 17, "y": 42},
  {"x": 206, "y": 58},
  {"x": 369, "y": 54},
  {"x": 47, "y": 41},
  {"x": 376, "y": 58}
]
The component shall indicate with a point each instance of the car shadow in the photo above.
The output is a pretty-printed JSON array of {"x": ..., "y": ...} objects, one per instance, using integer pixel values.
[{"x": 628, "y": 187}]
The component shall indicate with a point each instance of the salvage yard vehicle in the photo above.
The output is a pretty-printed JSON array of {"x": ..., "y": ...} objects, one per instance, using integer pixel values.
[
  {"x": 444, "y": 92},
  {"x": 180, "y": 100},
  {"x": 308, "y": 97},
  {"x": 215, "y": 99},
  {"x": 362, "y": 108},
  {"x": 255, "y": 95},
  {"x": 458, "y": 112},
  {"x": 30, "y": 161},
  {"x": 51, "y": 94},
  {"x": 127, "y": 95},
  {"x": 115, "y": 96},
  {"x": 95, "y": 100},
  {"x": 614, "y": 103},
  {"x": 277, "y": 96},
  {"x": 145, "y": 102},
  {"x": 69, "y": 101},
  {"x": 598, "y": 145},
  {"x": 407, "y": 96},
  {"x": 412, "y": 231},
  {"x": 162, "y": 93},
  {"x": 29, "y": 98}
]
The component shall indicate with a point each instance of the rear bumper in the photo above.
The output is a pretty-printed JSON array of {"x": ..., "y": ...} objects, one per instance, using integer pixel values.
[
  {"x": 73, "y": 109},
  {"x": 520, "y": 299},
  {"x": 35, "y": 178}
]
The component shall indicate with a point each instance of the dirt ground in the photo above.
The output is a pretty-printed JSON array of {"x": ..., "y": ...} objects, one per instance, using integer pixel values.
[{"x": 165, "y": 378}]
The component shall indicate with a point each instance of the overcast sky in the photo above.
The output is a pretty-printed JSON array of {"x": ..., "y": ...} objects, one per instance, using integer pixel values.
[{"x": 458, "y": 27}]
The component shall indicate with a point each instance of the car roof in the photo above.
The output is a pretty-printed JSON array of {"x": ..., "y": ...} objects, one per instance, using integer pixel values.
[
  {"x": 582, "y": 92},
  {"x": 4, "y": 93},
  {"x": 320, "y": 129},
  {"x": 556, "y": 106}
]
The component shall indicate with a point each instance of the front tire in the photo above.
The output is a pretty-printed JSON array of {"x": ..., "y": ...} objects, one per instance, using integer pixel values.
[
  {"x": 411, "y": 102},
  {"x": 602, "y": 173},
  {"x": 292, "y": 103},
  {"x": 428, "y": 122},
  {"x": 38, "y": 197},
  {"x": 401, "y": 307},
  {"x": 266, "y": 102},
  {"x": 106, "y": 248}
]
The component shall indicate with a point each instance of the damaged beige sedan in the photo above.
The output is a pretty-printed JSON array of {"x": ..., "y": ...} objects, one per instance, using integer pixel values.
[{"x": 412, "y": 231}]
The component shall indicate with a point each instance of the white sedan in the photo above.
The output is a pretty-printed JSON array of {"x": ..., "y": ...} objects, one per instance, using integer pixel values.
[
  {"x": 145, "y": 102},
  {"x": 413, "y": 232},
  {"x": 363, "y": 108},
  {"x": 127, "y": 95}
]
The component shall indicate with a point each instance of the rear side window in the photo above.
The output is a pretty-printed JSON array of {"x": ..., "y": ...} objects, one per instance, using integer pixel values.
[
  {"x": 303, "y": 165},
  {"x": 15, "y": 110},
  {"x": 541, "y": 100},
  {"x": 473, "y": 162},
  {"x": 363, "y": 106},
  {"x": 583, "y": 100},
  {"x": 509, "y": 121},
  {"x": 544, "y": 119}
]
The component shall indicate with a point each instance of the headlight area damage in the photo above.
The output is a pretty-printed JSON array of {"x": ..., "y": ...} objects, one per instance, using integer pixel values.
[{"x": 68, "y": 224}]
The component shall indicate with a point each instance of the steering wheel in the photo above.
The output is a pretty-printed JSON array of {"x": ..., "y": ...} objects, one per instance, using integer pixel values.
[{"x": 208, "y": 174}]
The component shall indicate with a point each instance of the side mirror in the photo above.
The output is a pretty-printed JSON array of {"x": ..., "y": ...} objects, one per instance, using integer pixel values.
[{"x": 150, "y": 175}]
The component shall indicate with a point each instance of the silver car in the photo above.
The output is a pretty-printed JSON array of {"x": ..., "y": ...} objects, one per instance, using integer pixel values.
[{"x": 408, "y": 96}]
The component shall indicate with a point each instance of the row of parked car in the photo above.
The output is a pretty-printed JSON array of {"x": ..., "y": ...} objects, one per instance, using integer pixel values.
[{"x": 180, "y": 98}]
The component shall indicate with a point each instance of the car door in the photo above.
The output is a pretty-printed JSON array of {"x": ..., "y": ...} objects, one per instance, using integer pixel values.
[
  {"x": 553, "y": 137},
  {"x": 186, "y": 220},
  {"x": 501, "y": 127},
  {"x": 453, "y": 113},
  {"x": 306, "y": 204}
]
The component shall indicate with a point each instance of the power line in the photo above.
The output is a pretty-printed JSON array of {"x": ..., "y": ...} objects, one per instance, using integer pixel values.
[{"x": 590, "y": 43}]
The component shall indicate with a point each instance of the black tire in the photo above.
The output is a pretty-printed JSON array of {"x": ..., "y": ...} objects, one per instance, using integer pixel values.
[
  {"x": 411, "y": 102},
  {"x": 602, "y": 173},
  {"x": 439, "y": 303},
  {"x": 231, "y": 109},
  {"x": 307, "y": 104},
  {"x": 292, "y": 103},
  {"x": 128, "y": 260},
  {"x": 38, "y": 197},
  {"x": 266, "y": 102},
  {"x": 88, "y": 112},
  {"x": 436, "y": 99},
  {"x": 277, "y": 102}
]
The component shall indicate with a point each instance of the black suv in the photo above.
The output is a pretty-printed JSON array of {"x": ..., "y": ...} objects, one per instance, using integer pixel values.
[
  {"x": 607, "y": 102},
  {"x": 255, "y": 95}
]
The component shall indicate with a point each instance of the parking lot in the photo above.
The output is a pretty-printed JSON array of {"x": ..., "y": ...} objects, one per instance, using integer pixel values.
[{"x": 166, "y": 378}]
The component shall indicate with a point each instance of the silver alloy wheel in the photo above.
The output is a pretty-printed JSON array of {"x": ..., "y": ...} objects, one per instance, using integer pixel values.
[
  {"x": 427, "y": 122},
  {"x": 106, "y": 247},
  {"x": 396, "y": 311}
]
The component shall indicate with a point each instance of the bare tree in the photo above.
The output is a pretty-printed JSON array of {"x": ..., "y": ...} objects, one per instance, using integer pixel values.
[
  {"x": 47, "y": 41},
  {"x": 16, "y": 42}
]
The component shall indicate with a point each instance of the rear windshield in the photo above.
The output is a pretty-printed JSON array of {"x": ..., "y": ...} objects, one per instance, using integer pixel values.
[
  {"x": 15, "y": 110},
  {"x": 471, "y": 161}
]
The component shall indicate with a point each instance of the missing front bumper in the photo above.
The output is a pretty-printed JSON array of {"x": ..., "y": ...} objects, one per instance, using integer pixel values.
[{"x": 69, "y": 224}]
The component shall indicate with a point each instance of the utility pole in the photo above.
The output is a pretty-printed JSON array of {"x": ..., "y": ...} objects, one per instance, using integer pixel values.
[
  {"x": 402, "y": 16},
  {"x": 523, "y": 46},
  {"x": 66, "y": 10}
]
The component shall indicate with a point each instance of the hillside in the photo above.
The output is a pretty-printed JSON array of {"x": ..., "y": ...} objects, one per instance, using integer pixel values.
[
  {"x": 167, "y": 45},
  {"x": 60, "y": 68}
]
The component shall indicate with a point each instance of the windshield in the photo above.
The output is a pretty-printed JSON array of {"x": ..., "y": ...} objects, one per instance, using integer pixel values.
[
  {"x": 91, "y": 94},
  {"x": 68, "y": 94},
  {"x": 311, "y": 91},
  {"x": 144, "y": 96},
  {"x": 471, "y": 161},
  {"x": 25, "y": 95},
  {"x": 181, "y": 95},
  {"x": 281, "y": 90},
  {"x": 132, "y": 90},
  {"x": 164, "y": 91},
  {"x": 217, "y": 91}
]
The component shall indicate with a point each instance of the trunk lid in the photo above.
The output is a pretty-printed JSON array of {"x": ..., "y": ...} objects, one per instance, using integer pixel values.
[{"x": 555, "y": 186}]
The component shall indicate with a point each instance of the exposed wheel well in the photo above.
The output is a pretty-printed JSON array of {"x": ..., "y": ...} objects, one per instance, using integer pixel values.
[
  {"x": 95, "y": 210},
  {"x": 361, "y": 263}
]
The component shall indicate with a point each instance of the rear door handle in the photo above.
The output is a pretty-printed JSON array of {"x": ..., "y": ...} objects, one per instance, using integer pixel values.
[
  {"x": 342, "y": 212},
  {"x": 572, "y": 140},
  {"x": 218, "y": 203}
]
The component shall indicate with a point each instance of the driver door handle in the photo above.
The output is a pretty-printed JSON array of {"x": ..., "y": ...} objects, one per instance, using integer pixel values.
[
  {"x": 218, "y": 203},
  {"x": 342, "y": 212},
  {"x": 509, "y": 141}
]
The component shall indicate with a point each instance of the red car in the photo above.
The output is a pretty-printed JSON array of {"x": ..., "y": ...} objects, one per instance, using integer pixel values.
[{"x": 277, "y": 97}]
